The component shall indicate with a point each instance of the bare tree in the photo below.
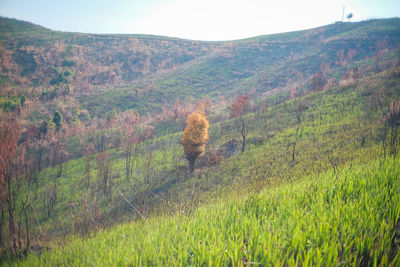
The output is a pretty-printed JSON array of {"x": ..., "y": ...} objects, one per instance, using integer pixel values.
[
  {"x": 9, "y": 135},
  {"x": 89, "y": 150},
  {"x": 237, "y": 110},
  {"x": 318, "y": 81},
  {"x": 298, "y": 109},
  {"x": 392, "y": 121},
  {"x": 380, "y": 46},
  {"x": 127, "y": 125},
  {"x": 104, "y": 166}
]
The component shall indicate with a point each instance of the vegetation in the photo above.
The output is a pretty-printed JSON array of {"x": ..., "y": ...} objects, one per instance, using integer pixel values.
[
  {"x": 195, "y": 136},
  {"x": 145, "y": 73},
  {"x": 300, "y": 141},
  {"x": 314, "y": 221},
  {"x": 57, "y": 119},
  {"x": 9, "y": 134},
  {"x": 238, "y": 109},
  {"x": 392, "y": 122}
]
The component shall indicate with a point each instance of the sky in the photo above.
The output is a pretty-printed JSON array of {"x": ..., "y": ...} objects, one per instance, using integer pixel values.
[{"x": 193, "y": 19}]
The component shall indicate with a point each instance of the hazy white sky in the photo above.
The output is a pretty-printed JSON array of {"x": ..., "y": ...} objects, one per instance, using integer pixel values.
[{"x": 193, "y": 19}]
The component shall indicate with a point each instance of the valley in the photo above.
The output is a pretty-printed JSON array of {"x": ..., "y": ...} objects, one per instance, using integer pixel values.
[{"x": 94, "y": 172}]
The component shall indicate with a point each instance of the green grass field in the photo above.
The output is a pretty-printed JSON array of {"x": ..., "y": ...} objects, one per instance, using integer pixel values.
[{"x": 349, "y": 218}]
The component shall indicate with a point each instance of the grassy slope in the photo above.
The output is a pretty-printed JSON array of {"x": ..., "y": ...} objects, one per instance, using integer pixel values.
[
  {"x": 332, "y": 129},
  {"x": 325, "y": 220}
]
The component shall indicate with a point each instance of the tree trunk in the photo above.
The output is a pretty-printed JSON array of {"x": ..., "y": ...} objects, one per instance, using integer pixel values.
[
  {"x": 243, "y": 142},
  {"x": 378, "y": 56},
  {"x": 105, "y": 178},
  {"x": 40, "y": 156},
  {"x": 244, "y": 133},
  {"x": 11, "y": 225},
  {"x": 28, "y": 238},
  {"x": 87, "y": 173},
  {"x": 1, "y": 225},
  {"x": 60, "y": 170},
  {"x": 19, "y": 224},
  {"x": 191, "y": 164},
  {"x": 128, "y": 164},
  {"x": 384, "y": 140},
  {"x": 294, "y": 151},
  {"x": 295, "y": 143}
]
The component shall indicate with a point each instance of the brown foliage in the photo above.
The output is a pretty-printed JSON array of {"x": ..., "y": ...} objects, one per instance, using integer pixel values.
[
  {"x": 195, "y": 136},
  {"x": 351, "y": 54},
  {"x": 341, "y": 58},
  {"x": 213, "y": 157},
  {"x": 240, "y": 106},
  {"x": 350, "y": 77},
  {"x": 318, "y": 81}
]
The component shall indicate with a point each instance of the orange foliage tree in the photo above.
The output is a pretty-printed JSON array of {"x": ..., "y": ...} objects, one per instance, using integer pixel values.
[{"x": 195, "y": 136}]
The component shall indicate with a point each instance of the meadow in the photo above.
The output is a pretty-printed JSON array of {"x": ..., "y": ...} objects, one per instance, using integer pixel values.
[{"x": 347, "y": 218}]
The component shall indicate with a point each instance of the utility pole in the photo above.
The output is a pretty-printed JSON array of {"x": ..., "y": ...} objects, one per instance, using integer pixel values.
[{"x": 343, "y": 13}]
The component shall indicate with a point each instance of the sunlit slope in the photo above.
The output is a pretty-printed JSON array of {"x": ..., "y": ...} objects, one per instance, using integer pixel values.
[
  {"x": 339, "y": 126},
  {"x": 347, "y": 218}
]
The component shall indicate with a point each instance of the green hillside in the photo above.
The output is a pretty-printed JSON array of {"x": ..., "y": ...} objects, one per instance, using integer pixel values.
[
  {"x": 93, "y": 171},
  {"x": 339, "y": 131}
]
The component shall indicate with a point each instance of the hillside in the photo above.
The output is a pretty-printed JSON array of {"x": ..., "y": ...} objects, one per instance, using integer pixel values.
[
  {"x": 94, "y": 172},
  {"x": 216, "y": 215},
  {"x": 316, "y": 223},
  {"x": 133, "y": 70}
]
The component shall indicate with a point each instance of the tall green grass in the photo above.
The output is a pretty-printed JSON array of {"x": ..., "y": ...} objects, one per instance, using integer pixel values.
[{"x": 344, "y": 219}]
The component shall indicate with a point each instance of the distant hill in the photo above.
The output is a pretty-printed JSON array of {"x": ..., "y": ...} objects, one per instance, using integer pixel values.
[{"x": 151, "y": 71}]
